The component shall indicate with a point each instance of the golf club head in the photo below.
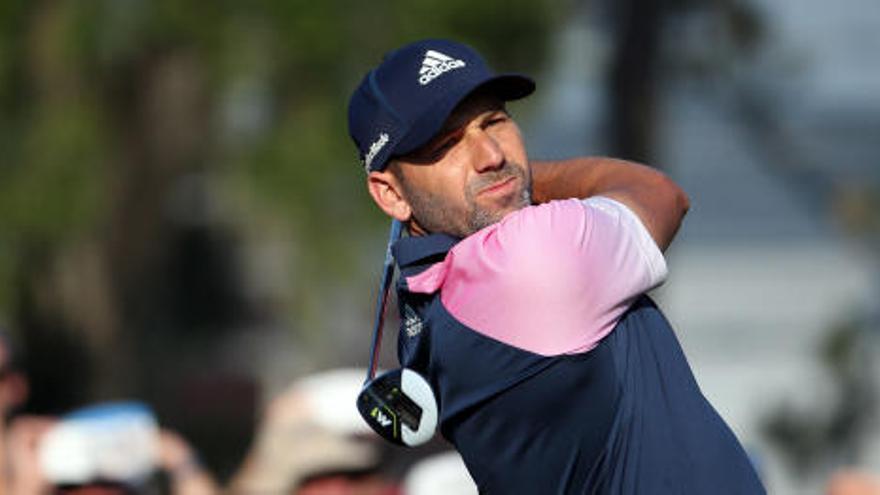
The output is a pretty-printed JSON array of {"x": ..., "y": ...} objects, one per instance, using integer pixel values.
[{"x": 400, "y": 406}]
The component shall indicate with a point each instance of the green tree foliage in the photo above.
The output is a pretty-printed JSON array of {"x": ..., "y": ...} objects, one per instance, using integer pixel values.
[
  {"x": 108, "y": 109},
  {"x": 106, "y": 104}
]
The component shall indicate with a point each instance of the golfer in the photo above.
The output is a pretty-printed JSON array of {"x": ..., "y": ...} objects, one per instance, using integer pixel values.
[{"x": 522, "y": 291}]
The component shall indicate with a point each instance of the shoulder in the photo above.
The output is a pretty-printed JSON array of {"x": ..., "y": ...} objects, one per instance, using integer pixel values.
[
  {"x": 516, "y": 247},
  {"x": 535, "y": 231},
  {"x": 539, "y": 250},
  {"x": 560, "y": 234},
  {"x": 552, "y": 278}
]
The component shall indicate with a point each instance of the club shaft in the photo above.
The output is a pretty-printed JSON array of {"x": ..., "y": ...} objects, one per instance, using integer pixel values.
[{"x": 382, "y": 298}]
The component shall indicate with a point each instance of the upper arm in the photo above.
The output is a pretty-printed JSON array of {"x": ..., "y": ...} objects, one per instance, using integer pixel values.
[
  {"x": 555, "y": 278},
  {"x": 659, "y": 203}
]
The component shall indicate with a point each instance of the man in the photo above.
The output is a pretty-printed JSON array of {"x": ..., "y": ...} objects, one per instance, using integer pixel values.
[{"x": 524, "y": 309}]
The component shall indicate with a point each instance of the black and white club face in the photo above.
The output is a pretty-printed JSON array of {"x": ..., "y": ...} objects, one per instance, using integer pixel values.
[{"x": 400, "y": 406}]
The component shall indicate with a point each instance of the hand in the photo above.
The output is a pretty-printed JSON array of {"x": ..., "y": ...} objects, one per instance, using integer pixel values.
[
  {"x": 175, "y": 454},
  {"x": 179, "y": 461}
]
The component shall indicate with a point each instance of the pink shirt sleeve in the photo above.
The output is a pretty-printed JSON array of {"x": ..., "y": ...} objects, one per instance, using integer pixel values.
[{"x": 551, "y": 279}]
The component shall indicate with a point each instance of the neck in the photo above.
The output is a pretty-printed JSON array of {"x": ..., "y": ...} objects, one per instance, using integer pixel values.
[{"x": 414, "y": 229}]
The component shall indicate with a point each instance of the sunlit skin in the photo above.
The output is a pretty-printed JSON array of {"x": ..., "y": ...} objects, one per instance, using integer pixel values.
[{"x": 473, "y": 173}]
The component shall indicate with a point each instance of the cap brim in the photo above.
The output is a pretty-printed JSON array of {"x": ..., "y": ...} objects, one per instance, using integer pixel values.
[{"x": 508, "y": 87}]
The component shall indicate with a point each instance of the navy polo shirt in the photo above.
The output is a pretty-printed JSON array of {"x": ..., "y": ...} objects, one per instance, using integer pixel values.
[{"x": 554, "y": 372}]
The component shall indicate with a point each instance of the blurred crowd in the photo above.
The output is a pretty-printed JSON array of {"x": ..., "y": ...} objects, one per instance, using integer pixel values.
[{"x": 309, "y": 441}]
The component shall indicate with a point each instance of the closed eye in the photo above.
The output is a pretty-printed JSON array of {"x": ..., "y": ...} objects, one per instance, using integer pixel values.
[
  {"x": 437, "y": 149},
  {"x": 497, "y": 118},
  {"x": 444, "y": 145}
]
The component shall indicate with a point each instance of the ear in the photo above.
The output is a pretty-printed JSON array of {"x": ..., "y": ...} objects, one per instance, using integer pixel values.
[{"x": 385, "y": 189}]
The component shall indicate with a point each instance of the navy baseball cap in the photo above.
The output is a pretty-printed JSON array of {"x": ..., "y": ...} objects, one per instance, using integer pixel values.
[{"x": 401, "y": 104}]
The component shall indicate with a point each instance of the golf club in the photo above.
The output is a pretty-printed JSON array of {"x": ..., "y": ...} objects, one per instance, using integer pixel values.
[{"x": 399, "y": 404}]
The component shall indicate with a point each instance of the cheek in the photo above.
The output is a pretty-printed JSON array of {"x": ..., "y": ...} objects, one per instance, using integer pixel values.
[
  {"x": 438, "y": 189},
  {"x": 512, "y": 144},
  {"x": 452, "y": 198},
  {"x": 518, "y": 151},
  {"x": 447, "y": 185}
]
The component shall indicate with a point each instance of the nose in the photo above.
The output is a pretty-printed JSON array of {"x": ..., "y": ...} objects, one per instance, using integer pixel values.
[{"x": 487, "y": 152}]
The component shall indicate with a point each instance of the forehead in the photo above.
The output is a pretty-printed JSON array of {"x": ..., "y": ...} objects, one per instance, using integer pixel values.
[{"x": 470, "y": 108}]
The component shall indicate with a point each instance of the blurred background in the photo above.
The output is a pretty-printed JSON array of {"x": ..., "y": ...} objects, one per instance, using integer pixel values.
[{"x": 183, "y": 219}]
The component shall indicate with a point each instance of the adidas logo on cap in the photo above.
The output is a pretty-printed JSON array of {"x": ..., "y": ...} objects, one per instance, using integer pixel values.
[{"x": 435, "y": 64}]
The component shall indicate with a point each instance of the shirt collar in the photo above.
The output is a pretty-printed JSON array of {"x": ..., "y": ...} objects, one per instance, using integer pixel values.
[{"x": 415, "y": 250}]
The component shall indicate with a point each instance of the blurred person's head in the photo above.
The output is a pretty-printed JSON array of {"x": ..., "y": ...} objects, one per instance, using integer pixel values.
[
  {"x": 439, "y": 474},
  {"x": 312, "y": 441},
  {"x": 13, "y": 383}
]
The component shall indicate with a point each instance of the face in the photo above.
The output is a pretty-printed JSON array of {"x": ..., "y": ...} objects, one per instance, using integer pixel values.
[{"x": 472, "y": 174}]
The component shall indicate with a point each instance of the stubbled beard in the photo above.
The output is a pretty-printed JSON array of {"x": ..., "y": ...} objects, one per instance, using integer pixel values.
[{"x": 430, "y": 211}]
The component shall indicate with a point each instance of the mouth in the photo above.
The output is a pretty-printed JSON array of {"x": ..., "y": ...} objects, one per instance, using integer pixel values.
[{"x": 504, "y": 186}]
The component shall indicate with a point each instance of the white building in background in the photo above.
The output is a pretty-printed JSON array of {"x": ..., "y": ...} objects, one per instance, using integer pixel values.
[{"x": 758, "y": 274}]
